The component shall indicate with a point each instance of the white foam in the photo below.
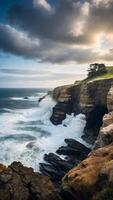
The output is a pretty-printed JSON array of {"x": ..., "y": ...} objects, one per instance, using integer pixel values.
[
  {"x": 13, "y": 122},
  {"x": 35, "y": 97}
]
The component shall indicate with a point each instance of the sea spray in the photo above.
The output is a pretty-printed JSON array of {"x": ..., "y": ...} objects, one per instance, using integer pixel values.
[{"x": 34, "y": 134}]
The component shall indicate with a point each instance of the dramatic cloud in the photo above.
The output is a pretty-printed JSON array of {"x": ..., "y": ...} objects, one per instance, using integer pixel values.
[
  {"x": 13, "y": 41},
  {"x": 43, "y": 4},
  {"x": 73, "y": 30}
]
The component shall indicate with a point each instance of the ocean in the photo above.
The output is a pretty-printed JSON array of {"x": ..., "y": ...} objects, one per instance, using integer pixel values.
[{"x": 26, "y": 132}]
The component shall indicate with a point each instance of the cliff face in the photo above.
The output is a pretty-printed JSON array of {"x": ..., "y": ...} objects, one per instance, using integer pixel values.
[
  {"x": 93, "y": 178},
  {"x": 105, "y": 136},
  {"x": 110, "y": 99},
  {"x": 85, "y": 95},
  {"x": 88, "y": 97}
]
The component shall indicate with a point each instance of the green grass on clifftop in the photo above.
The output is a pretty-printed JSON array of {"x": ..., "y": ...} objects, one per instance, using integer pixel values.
[{"x": 107, "y": 75}]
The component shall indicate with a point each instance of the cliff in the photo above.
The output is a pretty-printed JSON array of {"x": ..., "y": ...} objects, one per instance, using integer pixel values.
[
  {"x": 88, "y": 97},
  {"x": 92, "y": 179},
  {"x": 87, "y": 175}
]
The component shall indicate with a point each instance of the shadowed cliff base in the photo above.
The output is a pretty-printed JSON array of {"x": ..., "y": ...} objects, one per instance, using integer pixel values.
[{"x": 94, "y": 122}]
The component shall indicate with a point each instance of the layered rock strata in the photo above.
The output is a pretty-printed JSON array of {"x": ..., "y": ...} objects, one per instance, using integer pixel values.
[{"x": 87, "y": 97}]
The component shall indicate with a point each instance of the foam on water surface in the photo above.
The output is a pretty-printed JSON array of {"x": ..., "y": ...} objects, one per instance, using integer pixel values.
[{"x": 26, "y": 134}]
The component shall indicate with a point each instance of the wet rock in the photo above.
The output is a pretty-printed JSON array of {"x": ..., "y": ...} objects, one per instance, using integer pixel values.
[
  {"x": 77, "y": 145},
  {"x": 55, "y": 173},
  {"x": 56, "y": 161},
  {"x": 68, "y": 151},
  {"x": 30, "y": 145},
  {"x": 63, "y": 107},
  {"x": 41, "y": 98},
  {"x": 56, "y": 167},
  {"x": 26, "y": 98},
  {"x": 74, "y": 149}
]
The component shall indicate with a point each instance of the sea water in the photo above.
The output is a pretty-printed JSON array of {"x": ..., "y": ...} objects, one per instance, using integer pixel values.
[{"x": 26, "y": 133}]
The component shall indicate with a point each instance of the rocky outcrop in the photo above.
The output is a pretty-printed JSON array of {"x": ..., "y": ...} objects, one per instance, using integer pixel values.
[
  {"x": 63, "y": 107},
  {"x": 105, "y": 136},
  {"x": 21, "y": 183},
  {"x": 56, "y": 167},
  {"x": 110, "y": 99},
  {"x": 88, "y": 97},
  {"x": 92, "y": 179}
]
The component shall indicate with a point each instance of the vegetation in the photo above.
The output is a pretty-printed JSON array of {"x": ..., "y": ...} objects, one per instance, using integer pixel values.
[
  {"x": 107, "y": 75},
  {"x": 96, "y": 69},
  {"x": 98, "y": 76}
]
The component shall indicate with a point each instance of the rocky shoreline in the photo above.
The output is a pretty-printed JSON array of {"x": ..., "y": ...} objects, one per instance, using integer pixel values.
[
  {"x": 56, "y": 167},
  {"x": 82, "y": 173}
]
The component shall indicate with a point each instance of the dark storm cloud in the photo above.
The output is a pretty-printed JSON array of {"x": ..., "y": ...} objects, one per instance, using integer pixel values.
[
  {"x": 59, "y": 33},
  {"x": 58, "y": 23},
  {"x": 15, "y": 42},
  {"x": 54, "y": 24}
]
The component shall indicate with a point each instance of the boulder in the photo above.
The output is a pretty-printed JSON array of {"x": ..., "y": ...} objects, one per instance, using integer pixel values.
[
  {"x": 63, "y": 106},
  {"x": 105, "y": 136},
  {"x": 21, "y": 183},
  {"x": 56, "y": 167},
  {"x": 77, "y": 145},
  {"x": 110, "y": 100},
  {"x": 92, "y": 179}
]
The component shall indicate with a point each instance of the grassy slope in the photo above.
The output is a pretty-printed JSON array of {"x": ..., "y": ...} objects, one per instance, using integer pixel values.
[{"x": 107, "y": 75}]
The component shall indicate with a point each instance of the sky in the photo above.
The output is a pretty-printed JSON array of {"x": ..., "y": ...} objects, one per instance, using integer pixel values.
[{"x": 47, "y": 43}]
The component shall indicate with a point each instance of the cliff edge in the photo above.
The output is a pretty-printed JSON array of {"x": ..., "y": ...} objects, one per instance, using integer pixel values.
[
  {"x": 88, "y": 97},
  {"x": 91, "y": 179}
]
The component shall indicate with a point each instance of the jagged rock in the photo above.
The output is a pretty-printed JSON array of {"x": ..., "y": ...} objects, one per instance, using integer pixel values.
[
  {"x": 68, "y": 151},
  {"x": 21, "y": 183},
  {"x": 77, "y": 145},
  {"x": 43, "y": 97},
  {"x": 110, "y": 99},
  {"x": 88, "y": 97},
  {"x": 63, "y": 107},
  {"x": 56, "y": 161},
  {"x": 53, "y": 172},
  {"x": 105, "y": 136},
  {"x": 92, "y": 178},
  {"x": 55, "y": 167},
  {"x": 74, "y": 149}
]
